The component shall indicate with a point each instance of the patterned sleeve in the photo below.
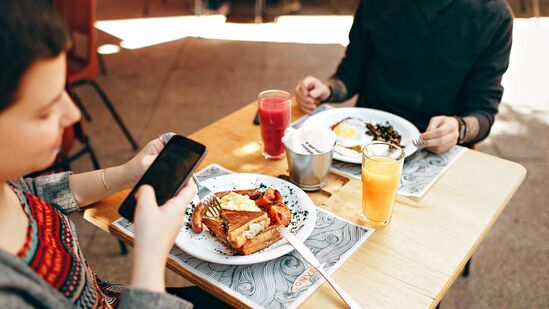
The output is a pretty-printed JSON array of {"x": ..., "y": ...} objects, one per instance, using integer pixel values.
[
  {"x": 54, "y": 189},
  {"x": 139, "y": 298}
]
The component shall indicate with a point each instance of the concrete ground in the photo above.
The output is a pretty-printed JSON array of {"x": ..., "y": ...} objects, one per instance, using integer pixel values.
[{"x": 181, "y": 80}]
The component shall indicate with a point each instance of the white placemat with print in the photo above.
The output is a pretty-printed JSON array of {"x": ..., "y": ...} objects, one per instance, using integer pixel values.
[
  {"x": 284, "y": 282},
  {"x": 420, "y": 171}
]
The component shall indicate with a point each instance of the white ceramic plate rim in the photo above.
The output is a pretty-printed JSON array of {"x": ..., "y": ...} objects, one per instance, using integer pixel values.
[
  {"x": 403, "y": 126},
  {"x": 245, "y": 181}
]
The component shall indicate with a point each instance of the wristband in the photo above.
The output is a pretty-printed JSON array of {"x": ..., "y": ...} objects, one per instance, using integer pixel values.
[
  {"x": 462, "y": 129},
  {"x": 104, "y": 181}
]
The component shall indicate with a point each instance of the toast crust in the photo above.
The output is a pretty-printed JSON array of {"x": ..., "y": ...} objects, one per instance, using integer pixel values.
[
  {"x": 262, "y": 240},
  {"x": 241, "y": 223}
]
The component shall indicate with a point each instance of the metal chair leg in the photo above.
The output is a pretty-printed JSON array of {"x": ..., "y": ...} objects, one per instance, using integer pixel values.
[
  {"x": 466, "y": 269},
  {"x": 82, "y": 108},
  {"x": 259, "y": 5},
  {"x": 535, "y": 8},
  {"x": 102, "y": 66},
  {"x": 111, "y": 109}
]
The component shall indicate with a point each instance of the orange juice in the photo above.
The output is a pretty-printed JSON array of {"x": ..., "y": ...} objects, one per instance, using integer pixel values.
[{"x": 380, "y": 181}]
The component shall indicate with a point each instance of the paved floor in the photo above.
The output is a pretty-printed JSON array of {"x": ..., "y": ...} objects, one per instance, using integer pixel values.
[{"x": 189, "y": 81}]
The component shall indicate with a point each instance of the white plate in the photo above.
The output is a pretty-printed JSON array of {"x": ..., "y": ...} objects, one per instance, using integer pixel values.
[
  {"x": 330, "y": 117},
  {"x": 204, "y": 246}
]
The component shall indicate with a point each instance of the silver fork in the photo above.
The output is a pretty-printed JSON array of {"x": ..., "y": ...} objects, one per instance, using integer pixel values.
[
  {"x": 420, "y": 142},
  {"x": 208, "y": 199}
]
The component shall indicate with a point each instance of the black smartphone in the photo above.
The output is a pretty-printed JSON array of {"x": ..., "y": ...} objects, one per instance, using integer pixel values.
[{"x": 168, "y": 172}]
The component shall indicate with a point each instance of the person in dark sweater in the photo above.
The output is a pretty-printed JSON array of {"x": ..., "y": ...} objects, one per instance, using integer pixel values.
[{"x": 437, "y": 63}]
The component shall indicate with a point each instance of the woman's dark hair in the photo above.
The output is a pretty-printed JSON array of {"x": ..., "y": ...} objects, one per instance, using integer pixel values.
[{"x": 29, "y": 30}]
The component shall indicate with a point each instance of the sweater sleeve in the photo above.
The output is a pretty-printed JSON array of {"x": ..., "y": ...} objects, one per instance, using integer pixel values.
[
  {"x": 352, "y": 68},
  {"x": 139, "y": 298},
  {"x": 54, "y": 189},
  {"x": 482, "y": 91}
]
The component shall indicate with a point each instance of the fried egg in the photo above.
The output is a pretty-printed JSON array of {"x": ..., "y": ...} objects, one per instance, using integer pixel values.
[
  {"x": 235, "y": 201},
  {"x": 351, "y": 133}
]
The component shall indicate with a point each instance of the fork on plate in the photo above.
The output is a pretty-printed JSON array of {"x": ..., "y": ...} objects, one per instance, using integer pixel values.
[
  {"x": 420, "y": 143},
  {"x": 208, "y": 199}
]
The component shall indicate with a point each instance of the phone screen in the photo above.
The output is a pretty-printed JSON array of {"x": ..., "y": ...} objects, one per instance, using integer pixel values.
[{"x": 169, "y": 171}]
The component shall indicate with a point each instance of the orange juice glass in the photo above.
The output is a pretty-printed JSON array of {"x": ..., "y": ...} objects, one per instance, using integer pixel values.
[{"x": 381, "y": 170}]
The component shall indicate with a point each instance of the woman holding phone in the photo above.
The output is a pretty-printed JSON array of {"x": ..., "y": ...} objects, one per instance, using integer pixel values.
[{"x": 41, "y": 264}]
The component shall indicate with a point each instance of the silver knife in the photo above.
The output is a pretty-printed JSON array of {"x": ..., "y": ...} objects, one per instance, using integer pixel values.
[{"x": 311, "y": 259}]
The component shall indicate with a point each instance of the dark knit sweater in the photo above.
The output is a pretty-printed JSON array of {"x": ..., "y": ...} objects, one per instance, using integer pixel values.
[{"x": 418, "y": 62}]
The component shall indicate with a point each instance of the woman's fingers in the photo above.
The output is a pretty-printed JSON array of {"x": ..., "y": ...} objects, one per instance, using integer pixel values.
[
  {"x": 185, "y": 195},
  {"x": 145, "y": 197}
]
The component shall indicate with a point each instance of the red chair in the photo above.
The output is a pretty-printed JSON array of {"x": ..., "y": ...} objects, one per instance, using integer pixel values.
[{"x": 79, "y": 16}]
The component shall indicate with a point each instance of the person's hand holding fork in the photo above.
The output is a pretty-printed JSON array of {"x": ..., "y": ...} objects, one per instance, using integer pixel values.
[{"x": 441, "y": 134}]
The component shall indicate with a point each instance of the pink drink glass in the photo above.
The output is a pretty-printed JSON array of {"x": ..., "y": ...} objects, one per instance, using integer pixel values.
[{"x": 275, "y": 108}]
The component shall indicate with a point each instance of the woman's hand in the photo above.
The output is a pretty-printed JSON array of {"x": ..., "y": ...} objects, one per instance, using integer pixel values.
[
  {"x": 310, "y": 92},
  {"x": 441, "y": 134},
  {"x": 155, "y": 231},
  {"x": 136, "y": 167},
  {"x": 94, "y": 186}
]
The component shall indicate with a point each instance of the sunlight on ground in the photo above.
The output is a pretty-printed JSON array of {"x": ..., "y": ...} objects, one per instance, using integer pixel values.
[
  {"x": 527, "y": 80},
  {"x": 508, "y": 127},
  {"x": 108, "y": 49},
  {"x": 144, "y": 32}
]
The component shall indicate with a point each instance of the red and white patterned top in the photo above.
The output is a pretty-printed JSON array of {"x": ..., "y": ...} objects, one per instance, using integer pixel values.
[{"x": 51, "y": 249}]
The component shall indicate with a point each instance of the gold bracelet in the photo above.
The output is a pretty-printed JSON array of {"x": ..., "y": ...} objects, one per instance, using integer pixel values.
[{"x": 103, "y": 179}]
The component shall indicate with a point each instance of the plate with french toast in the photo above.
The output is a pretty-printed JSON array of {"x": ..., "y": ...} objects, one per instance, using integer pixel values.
[{"x": 245, "y": 230}]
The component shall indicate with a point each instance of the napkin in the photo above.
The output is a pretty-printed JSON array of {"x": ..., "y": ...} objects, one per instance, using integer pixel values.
[{"x": 310, "y": 140}]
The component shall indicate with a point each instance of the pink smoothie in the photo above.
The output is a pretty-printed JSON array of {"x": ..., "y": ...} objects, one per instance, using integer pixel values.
[{"x": 274, "y": 118}]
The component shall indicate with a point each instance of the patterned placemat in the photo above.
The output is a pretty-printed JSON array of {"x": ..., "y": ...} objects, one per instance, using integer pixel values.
[
  {"x": 420, "y": 171},
  {"x": 284, "y": 282}
]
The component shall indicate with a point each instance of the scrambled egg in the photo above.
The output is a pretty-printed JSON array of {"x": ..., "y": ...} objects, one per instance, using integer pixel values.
[
  {"x": 254, "y": 229},
  {"x": 234, "y": 201}
]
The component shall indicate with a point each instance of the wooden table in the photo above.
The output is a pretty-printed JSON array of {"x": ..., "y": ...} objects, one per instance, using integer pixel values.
[{"x": 412, "y": 262}]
